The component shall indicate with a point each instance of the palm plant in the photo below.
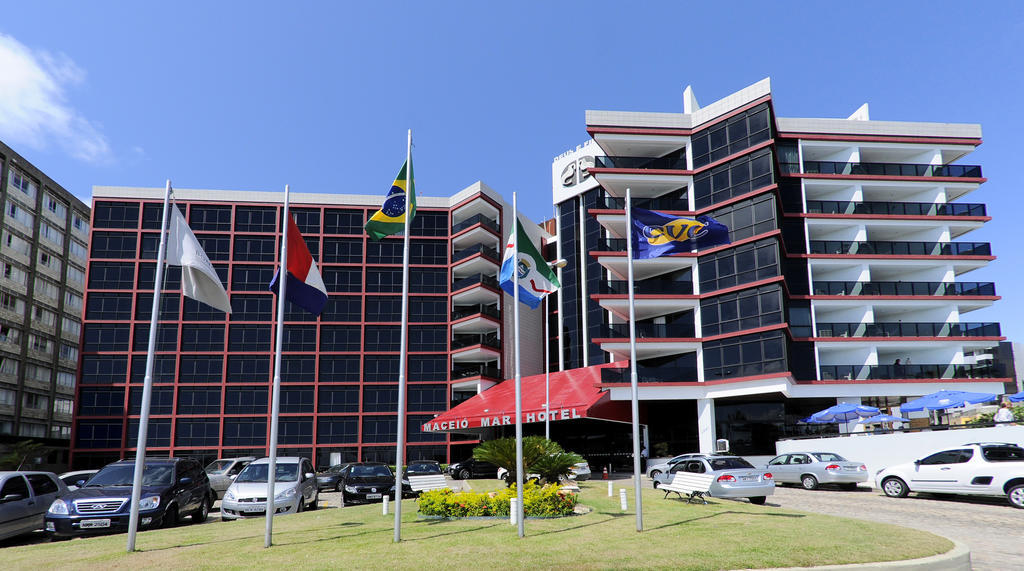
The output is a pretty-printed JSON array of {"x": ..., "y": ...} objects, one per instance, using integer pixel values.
[{"x": 540, "y": 456}]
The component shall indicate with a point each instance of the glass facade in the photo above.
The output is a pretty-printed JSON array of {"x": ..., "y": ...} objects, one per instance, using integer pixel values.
[{"x": 213, "y": 372}]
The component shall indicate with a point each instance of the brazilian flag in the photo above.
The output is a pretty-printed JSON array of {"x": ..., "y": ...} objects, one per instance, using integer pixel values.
[{"x": 390, "y": 219}]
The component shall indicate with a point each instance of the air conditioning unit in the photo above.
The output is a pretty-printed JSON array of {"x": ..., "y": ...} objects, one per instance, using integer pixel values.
[{"x": 721, "y": 445}]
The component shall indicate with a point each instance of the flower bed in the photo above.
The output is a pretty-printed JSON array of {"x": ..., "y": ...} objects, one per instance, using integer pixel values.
[{"x": 538, "y": 501}]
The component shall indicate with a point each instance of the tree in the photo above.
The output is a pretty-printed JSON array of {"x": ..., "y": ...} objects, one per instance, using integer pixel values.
[
  {"x": 18, "y": 453},
  {"x": 540, "y": 456}
]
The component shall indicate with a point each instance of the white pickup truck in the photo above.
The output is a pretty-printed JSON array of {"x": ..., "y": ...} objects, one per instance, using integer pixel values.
[{"x": 977, "y": 468}]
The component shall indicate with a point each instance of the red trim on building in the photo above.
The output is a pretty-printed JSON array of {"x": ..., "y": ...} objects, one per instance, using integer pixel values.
[
  {"x": 960, "y": 339},
  {"x": 977, "y": 180},
  {"x": 899, "y": 297},
  {"x": 880, "y": 138},
  {"x": 888, "y": 217},
  {"x": 888, "y": 257}
]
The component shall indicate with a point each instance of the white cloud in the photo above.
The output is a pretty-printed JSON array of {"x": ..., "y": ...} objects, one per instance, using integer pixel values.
[{"x": 33, "y": 107}]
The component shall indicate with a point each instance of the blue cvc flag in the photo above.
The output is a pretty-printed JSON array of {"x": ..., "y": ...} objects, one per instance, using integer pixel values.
[{"x": 655, "y": 234}]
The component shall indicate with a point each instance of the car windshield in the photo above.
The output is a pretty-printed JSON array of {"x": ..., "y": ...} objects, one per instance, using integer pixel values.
[
  {"x": 123, "y": 474},
  {"x": 336, "y": 469},
  {"x": 425, "y": 468},
  {"x": 828, "y": 457},
  {"x": 218, "y": 466},
  {"x": 371, "y": 472},
  {"x": 258, "y": 473},
  {"x": 1003, "y": 453},
  {"x": 729, "y": 463}
]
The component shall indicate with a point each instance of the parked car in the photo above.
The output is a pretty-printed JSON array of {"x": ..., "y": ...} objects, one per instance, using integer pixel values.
[
  {"x": 579, "y": 472},
  {"x": 423, "y": 468},
  {"x": 24, "y": 497},
  {"x": 661, "y": 467},
  {"x": 978, "y": 469},
  {"x": 330, "y": 479},
  {"x": 172, "y": 488},
  {"x": 295, "y": 489},
  {"x": 734, "y": 476},
  {"x": 472, "y": 468},
  {"x": 223, "y": 471},
  {"x": 369, "y": 482},
  {"x": 810, "y": 469},
  {"x": 73, "y": 479}
]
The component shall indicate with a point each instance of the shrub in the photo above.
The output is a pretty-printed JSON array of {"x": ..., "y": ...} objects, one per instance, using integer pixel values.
[
  {"x": 540, "y": 455},
  {"x": 538, "y": 501}
]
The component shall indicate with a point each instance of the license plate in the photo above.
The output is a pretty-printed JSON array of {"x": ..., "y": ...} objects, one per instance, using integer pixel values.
[
  {"x": 94, "y": 523},
  {"x": 748, "y": 478},
  {"x": 373, "y": 496},
  {"x": 254, "y": 509}
]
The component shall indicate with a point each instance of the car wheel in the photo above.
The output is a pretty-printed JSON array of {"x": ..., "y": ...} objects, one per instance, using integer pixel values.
[
  {"x": 339, "y": 487},
  {"x": 1016, "y": 496},
  {"x": 203, "y": 512},
  {"x": 758, "y": 500},
  {"x": 464, "y": 474},
  {"x": 809, "y": 482},
  {"x": 655, "y": 473},
  {"x": 171, "y": 516},
  {"x": 895, "y": 487},
  {"x": 316, "y": 501},
  {"x": 656, "y": 484}
]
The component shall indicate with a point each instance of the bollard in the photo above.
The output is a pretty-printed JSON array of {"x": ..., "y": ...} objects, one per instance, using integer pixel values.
[
  {"x": 610, "y": 489},
  {"x": 622, "y": 498},
  {"x": 513, "y": 511},
  {"x": 604, "y": 473},
  {"x": 385, "y": 504}
]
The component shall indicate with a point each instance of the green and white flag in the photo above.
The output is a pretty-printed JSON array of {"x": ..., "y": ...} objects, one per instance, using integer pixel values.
[{"x": 536, "y": 278}]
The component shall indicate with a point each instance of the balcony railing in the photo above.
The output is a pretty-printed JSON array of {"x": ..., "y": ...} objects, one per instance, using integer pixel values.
[
  {"x": 651, "y": 375},
  {"x": 475, "y": 219},
  {"x": 664, "y": 163},
  {"x": 657, "y": 203},
  {"x": 649, "y": 330},
  {"x": 901, "y": 248},
  {"x": 483, "y": 370},
  {"x": 891, "y": 169},
  {"x": 470, "y": 310},
  {"x": 895, "y": 208},
  {"x": 924, "y": 371},
  {"x": 463, "y": 340},
  {"x": 904, "y": 288},
  {"x": 641, "y": 287},
  {"x": 475, "y": 279},
  {"x": 904, "y": 329},
  {"x": 487, "y": 252}
]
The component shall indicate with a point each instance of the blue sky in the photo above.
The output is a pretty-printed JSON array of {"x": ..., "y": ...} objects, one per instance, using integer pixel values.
[{"x": 253, "y": 95}]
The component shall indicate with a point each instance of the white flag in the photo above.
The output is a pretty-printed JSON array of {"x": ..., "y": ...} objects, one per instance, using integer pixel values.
[{"x": 199, "y": 279}]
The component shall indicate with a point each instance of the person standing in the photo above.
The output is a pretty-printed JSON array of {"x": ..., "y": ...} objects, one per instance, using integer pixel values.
[
  {"x": 1004, "y": 415},
  {"x": 643, "y": 459}
]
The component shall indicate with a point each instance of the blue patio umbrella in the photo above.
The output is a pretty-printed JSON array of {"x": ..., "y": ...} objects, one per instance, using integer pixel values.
[
  {"x": 882, "y": 418},
  {"x": 811, "y": 420},
  {"x": 1017, "y": 397},
  {"x": 942, "y": 400},
  {"x": 844, "y": 412}
]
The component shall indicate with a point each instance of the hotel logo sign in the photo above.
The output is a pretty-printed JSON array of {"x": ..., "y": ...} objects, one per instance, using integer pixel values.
[{"x": 500, "y": 420}]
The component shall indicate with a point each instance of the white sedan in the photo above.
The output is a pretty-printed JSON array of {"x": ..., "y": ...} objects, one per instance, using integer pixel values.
[{"x": 980, "y": 469}]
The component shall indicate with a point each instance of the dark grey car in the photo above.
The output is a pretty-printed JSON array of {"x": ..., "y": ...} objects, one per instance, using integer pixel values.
[
  {"x": 222, "y": 472},
  {"x": 24, "y": 498}
]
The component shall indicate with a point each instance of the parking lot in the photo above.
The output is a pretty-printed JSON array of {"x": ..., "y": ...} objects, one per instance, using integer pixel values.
[{"x": 990, "y": 527}]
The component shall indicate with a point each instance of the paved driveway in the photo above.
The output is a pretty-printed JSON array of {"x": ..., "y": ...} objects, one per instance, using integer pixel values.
[{"x": 990, "y": 527}]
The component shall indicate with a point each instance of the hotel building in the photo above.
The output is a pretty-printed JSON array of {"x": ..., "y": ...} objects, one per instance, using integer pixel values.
[
  {"x": 42, "y": 256},
  {"x": 339, "y": 373},
  {"x": 847, "y": 279}
]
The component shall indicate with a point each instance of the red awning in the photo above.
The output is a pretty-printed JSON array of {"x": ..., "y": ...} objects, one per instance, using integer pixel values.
[{"x": 574, "y": 394}]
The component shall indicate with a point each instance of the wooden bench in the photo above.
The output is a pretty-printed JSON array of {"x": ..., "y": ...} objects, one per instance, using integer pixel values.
[
  {"x": 427, "y": 483},
  {"x": 695, "y": 486}
]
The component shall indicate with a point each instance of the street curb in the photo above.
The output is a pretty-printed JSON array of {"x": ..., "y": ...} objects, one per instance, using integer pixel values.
[{"x": 956, "y": 559}]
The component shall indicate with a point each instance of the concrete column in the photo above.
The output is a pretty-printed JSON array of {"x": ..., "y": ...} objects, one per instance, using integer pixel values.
[{"x": 706, "y": 424}]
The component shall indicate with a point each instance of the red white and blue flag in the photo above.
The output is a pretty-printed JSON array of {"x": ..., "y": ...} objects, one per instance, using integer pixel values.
[{"x": 306, "y": 287}]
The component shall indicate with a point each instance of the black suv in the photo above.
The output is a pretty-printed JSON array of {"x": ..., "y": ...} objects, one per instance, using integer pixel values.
[
  {"x": 471, "y": 468},
  {"x": 171, "y": 489}
]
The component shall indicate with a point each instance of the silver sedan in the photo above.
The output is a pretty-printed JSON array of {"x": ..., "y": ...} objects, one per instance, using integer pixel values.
[
  {"x": 734, "y": 476},
  {"x": 810, "y": 469}
]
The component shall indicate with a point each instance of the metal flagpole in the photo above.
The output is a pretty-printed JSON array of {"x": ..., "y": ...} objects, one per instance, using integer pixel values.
[
  {"x": 632, "y": 366},
  {"x": 547, "y": 374},
  {"x": 275, "y": 407},
  {"x": 518, "y": 377},
  {"x": 147, "y": 386},
  {"x": 403, "y": 356}
]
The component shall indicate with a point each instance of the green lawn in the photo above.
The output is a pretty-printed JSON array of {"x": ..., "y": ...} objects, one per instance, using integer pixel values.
[{"x": 722, "y": 535}]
